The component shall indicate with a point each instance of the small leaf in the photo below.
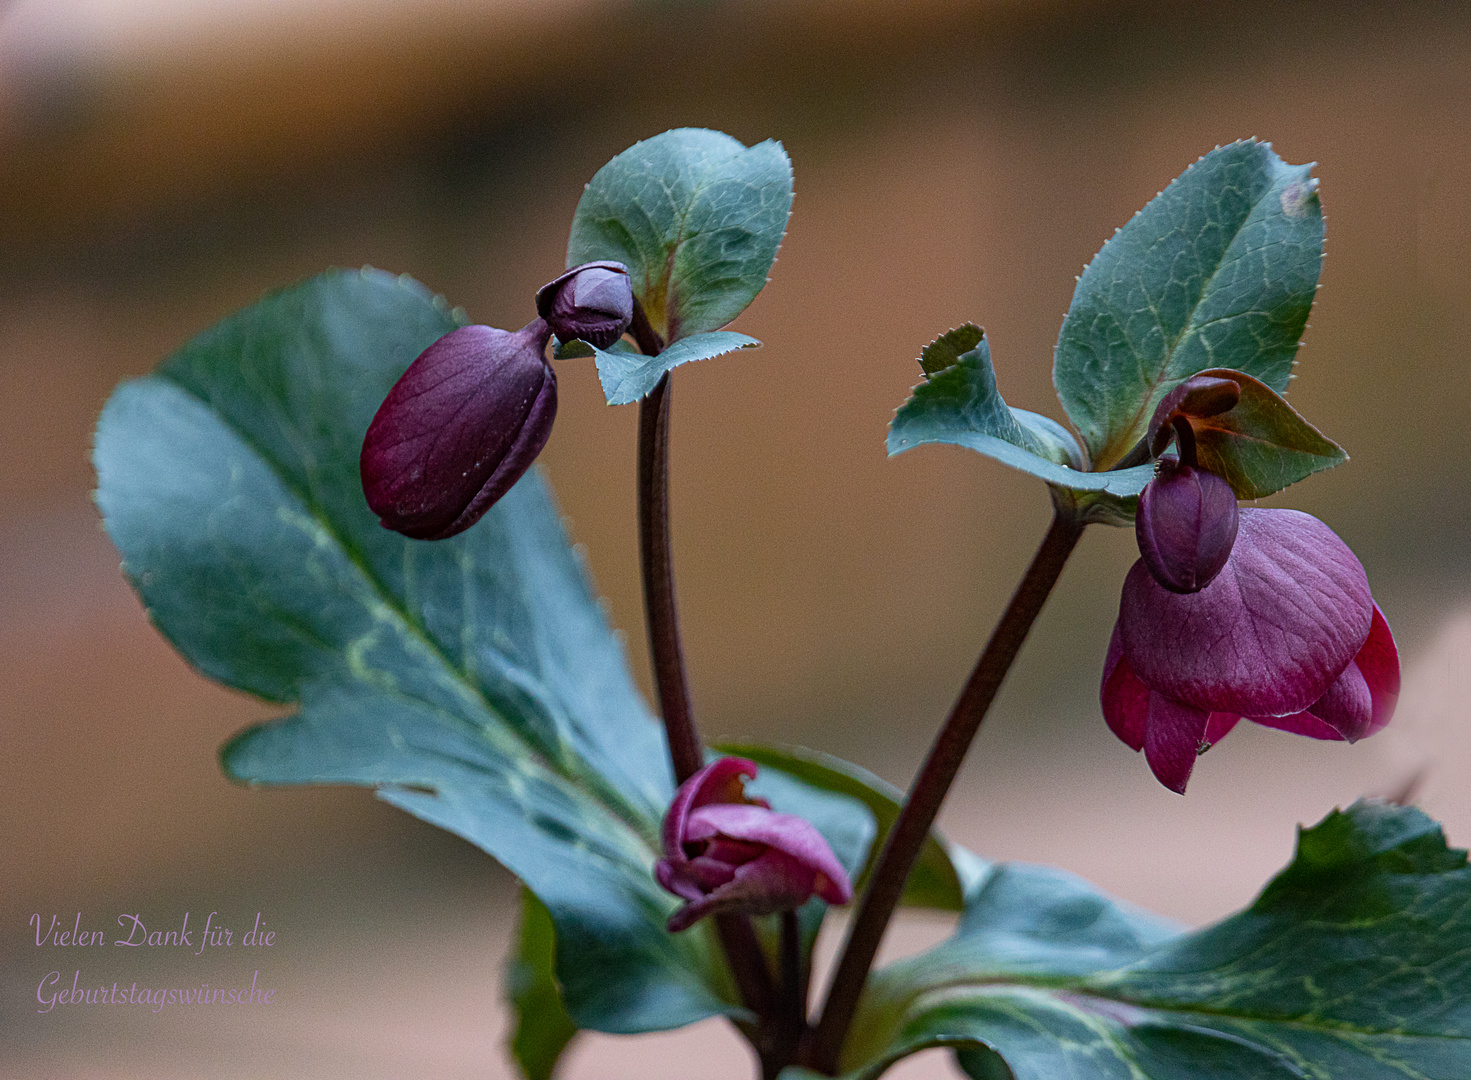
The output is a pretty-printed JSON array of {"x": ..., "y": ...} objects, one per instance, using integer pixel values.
[
  {"x": 1219, "y": 270},
  {"x": 947, "y": 349},
  {"x": 628, "y": 375},
  {"x": 1355, "y": 962},
  {"x": 543, "y": 1028},
  {"x": 1262, "y": 444},
  {"x": 695, "y": 216},
  {"x": 473, "y": 682},
  {"x": 960, "y": 404},
  {"x": 935, "y": 881}
]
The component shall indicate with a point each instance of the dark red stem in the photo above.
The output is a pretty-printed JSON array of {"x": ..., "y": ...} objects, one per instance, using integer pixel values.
[
  {"x": 737, "y": 935},
  {"x": 929, "y": 789}
]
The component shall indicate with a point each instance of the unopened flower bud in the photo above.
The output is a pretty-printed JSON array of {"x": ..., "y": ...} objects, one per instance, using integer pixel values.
[
  {"x": 458, "y": 429},
  {"x": 725, "y": 851},
  {"x": 592, "y": 302},
  {"x": 1186, "y": 525}
]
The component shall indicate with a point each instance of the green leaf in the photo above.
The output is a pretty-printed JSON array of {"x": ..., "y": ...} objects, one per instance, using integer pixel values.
[
  {"x": 628, "y": 375},
  {"x": 1262, "y": 444},
  {"x": 696, "y": 217},
  {"x": 1353, "y": 964},
  {"x": 1219, "y": 270},
  {"x": 935, "y": 881},
  {"x": 543, "y": 1028},
  {"x": 959, "y": 404},
  {"x": 472, "y": 681}
]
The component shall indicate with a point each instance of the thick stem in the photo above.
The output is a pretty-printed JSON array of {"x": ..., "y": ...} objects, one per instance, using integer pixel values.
[
  {"x": 929, "y": 789},
  {"x": 737, "y": 935}
]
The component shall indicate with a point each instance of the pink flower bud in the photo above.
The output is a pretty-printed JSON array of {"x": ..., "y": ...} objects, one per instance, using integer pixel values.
[
  {"x": 1186, "y": 525},
  {"x": 725, "y": 851},
  {"x": 592, "y": 302},
  {"x": 458, "y": 429}
]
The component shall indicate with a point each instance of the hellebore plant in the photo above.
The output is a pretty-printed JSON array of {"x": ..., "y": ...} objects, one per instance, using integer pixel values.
[{"x": 327, "y": 501}]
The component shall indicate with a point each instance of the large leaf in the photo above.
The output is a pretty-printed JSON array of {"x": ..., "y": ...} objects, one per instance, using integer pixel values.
[
  {"x": 543, "y": 1029},
  {"x": 958, "y": 403},
  {"x": 942, "y": 874},
  {"x": 1353, "y": 964},
  {"x": 1219, "y": 270},
  {"x": 695, "y": 216},
  {"x": 628, "y": 375},
  {"x": 472, "y": 681}
]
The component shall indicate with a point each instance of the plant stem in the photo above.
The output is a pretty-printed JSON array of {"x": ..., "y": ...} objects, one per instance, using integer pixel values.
[
  {"x": 657, "y": 556},
  {"x": 928, "y": 791},
  {"x": 737, "y": 935},
  {"x": 791, "y": 1013}
]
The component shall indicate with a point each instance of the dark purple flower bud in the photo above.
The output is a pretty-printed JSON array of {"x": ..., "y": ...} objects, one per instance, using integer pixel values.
[
  {"x": 593, "y": 302},
  {"x": 458, "y": 429},
  {"x": 1186, "y": 525},
  {"x": 725, "y": 851},
  {"x": 1287, "y": 635}
]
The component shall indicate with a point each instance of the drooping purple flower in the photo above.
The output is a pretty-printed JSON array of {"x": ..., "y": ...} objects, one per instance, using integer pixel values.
[
  {"x": 593, "y": 302},
  {"x": 1185, "y": 525},
  {"x": 725, "y": 851},
  {"x": 458, "y": 429},
  {"x": 1287, "y": 635}
]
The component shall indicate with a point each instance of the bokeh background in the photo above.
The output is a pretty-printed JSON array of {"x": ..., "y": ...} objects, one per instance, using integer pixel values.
[{"x": 164, "y": 162}]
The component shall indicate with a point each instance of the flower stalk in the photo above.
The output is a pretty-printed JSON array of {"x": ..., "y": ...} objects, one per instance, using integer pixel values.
[
  {"x": 928, "y": 791},
  {"x": 656, "y": 555}
]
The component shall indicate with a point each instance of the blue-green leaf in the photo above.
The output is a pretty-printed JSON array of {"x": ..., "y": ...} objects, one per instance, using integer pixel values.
[
  {"x": 628, "y": 375},
  {"x": 959, "y": 404},
  {"x": 1219, "y": 270},
  {"x": 473, "y": 681},
  {"x": 697, "y": 219},
  {"x": 1353, "y": 964}
]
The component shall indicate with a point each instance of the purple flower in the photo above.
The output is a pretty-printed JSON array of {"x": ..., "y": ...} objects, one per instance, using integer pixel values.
[
  {"x": 725, "y": 851},
  {"x": 1286, "y": 635},
  {"x": 593, "y": 302},
  {"x": 1186, "y": 525},
  {"x": 458, "y": 429}
]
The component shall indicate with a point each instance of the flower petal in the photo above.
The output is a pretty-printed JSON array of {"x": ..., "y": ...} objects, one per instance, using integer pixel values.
[
  {"x": 1218, "y": 727},
  {"x": 1378, "y": 660},
  {"x": 1125, "y": 699},
  {"x": 1347, "y": 707},
  {"x": 1303, "y": 723},
  {"x": 676, "y": 882},
  {"x": 774, "y": 882},
  {"x": 791, "y": 835},
  {"x": 1173, "y": 739},
  {"x": 719, "y": 779},
  {"x": 1268, "y": 636}
]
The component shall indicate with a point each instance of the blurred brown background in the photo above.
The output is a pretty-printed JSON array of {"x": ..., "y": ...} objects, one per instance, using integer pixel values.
[{"x": 163, "y": 162}]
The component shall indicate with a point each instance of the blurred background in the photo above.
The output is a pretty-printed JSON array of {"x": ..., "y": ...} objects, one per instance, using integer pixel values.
[{"x": 164, "y": 162}]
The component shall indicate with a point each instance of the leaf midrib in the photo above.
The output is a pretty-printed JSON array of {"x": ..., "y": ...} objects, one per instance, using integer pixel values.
[
  {"x": 411, "y": 630},
  {"x": 1110, "y": 453}
]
